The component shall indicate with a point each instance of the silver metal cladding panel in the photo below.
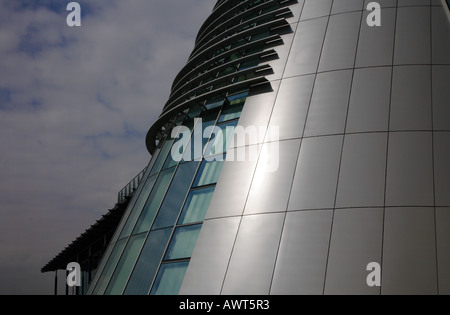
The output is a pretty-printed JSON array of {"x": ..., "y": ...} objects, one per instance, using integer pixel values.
[
  {"x": 302, "y": 259},
  {"x": 375, "y": 46},
  {"x": 232, "y": 188},
  {"x": 314, "y": 9},
  {"x": 356, "y": 240},
  {"x": 279, "y": 64},
  {"x": 307, "y": 45},
  {"x": 291, "y": 107},
  {"x": 339, "y": 50},
  {"x": 316, "y": 177},
  {"x": 256, "y": 113},
  {"x": 409, "y": 179},
  {"x": 440, "y": 34},
  {"x": 412, "y": 38},
  {"x": 443, "y": 248},
  {"x": 271, "y": 184},
  {"x": 254, "y": 254},
  {"x": 409, "y": 251},
  {"x": 370, "y": 100},
  {"x": 411, "y": 98},
  {"x": 210, "y": 258},
  {"x": 403, "y": 3},
  {"x": 383, "y": 3},
  {"x": 442, "y": 168},
  {"x": 362, "y": 172},
  {"x": 328, "y": 110},
  {"x": 366, "y": 108},
  {"x": 296, "y": 11},
  {"x": 441, "y": 97},
  {"x": 341, "y": 6}
]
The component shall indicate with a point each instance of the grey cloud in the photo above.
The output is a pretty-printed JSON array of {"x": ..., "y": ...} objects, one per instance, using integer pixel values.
[{"x": 75, "y": 104}]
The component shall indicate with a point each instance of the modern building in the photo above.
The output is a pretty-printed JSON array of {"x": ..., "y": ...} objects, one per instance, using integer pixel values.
[
  {"x": 362, "y": 115},
  {"x": 88, "y": 249}
]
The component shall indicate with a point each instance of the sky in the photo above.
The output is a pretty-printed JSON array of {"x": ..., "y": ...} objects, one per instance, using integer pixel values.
[{"x": 75, "y": 106}]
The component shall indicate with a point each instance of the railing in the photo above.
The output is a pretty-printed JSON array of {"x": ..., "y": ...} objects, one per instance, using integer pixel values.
[{"x": 129, "y": 189}]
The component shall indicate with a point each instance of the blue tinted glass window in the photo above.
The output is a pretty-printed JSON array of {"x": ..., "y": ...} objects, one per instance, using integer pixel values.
[
  {"x": 200, "y": 136},
  {"x": 154, "y": 201},
  {"x": 234, "y": 108},
  {"x": 196, "y": 205},
  {"x": 170, "y": 277},
  {"x": 148, "y": 262},
  {"x": 194, "y": 111},
  {"x": 109, "y": 268},
  {"x": 181, "y": 143},
  {"x": 249, "y": 64},
  {"x": 237, "y": 98},
  {"x": 221, "y": 139},
  {"x": 125, "y": 265},
  {"x": 214, "y": 103},
  {"x": 183, "y": 242},
  {"x": 231, "y": 112},
  {"x": 171, "y": 207},
  {"x": 138, "y": 207},
  {"x": 208, "y": 173},
  {"x": 165, "y": 150}
]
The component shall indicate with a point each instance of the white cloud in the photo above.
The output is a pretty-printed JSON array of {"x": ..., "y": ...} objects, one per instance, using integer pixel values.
[{"x": 78, "y": 104}]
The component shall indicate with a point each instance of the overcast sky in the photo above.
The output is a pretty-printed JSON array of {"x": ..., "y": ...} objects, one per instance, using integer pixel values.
[{"x": 75, "y": 105}]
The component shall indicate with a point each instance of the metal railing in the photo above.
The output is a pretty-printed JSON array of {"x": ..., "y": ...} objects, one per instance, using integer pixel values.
[{"x": 129, "y": 189}]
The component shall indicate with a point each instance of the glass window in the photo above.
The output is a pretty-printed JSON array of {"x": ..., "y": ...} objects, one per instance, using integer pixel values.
[
  {"x": 194, "y": 151},
  {"x": 249, "y": 64},
  {"x": 125, "y": 265},
  {"x": 154, "y": 201},
  {"x": 109, "y": 268},
  {"x": 178, "y": 144},
  {"x": 221, "y": 139},
  {"x": 234, "y": 108},
  {"x": 243, "y": 77},
  {"x": 138, "y": 207},
  {"x": 260, "y": 36},
  {"x": 227, "y": 70},
  {"x": 254, "y": 50},
  {"x": 207, "y": 79},
  {"x": 148, "y": 262},
  {"x": 230, "y": 113},
  {"x": 194, "y": 111},
  {"x": 170, "y": 278},
  {"x": 235, "y": 55},
  {"x": 173, "y": 202},
  {"x": 183, "y": 242},
  {"x": 271, "y": 8},
  {"x": 180, "y": 118},
  {"x": 214, "y": 103},
  {"x": 181, "y": 143},
  {"x": 209, "y": 118},
  {"x": 208, "y": 173},
  {"x": 196, "y": 205},
  {"x": 162, "y": 156},
  {"x": 237, "y": 98},
  {"x": 238, "y": 43}
]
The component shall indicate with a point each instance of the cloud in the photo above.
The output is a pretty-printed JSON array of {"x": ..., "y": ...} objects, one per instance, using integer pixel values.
[{"x": 75, "y": 105}]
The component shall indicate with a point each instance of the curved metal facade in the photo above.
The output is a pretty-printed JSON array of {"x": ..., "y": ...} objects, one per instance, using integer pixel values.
[{"x": 364, "y": 145}]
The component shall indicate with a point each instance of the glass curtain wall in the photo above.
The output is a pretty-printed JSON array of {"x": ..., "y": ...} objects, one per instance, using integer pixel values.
[
  {"x": 153, "y": 250},
  {"x": 152, "y": 247}
]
